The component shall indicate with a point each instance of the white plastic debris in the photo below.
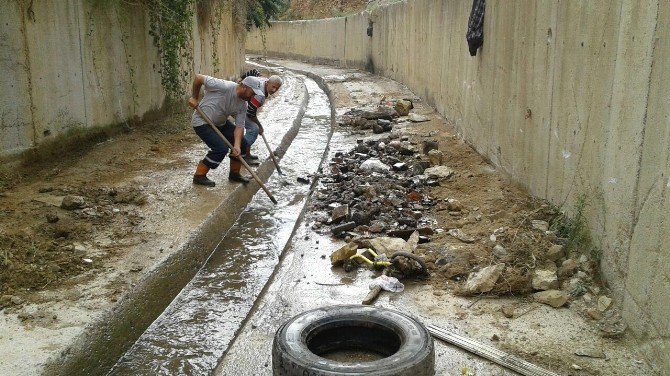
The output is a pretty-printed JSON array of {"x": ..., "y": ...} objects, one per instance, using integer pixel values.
[
  {"x": 374, "y": 164},
  {"x": 387, "y": 284}
]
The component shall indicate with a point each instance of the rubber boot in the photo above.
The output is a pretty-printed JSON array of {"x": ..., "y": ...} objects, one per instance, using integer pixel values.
[
  {"x": 251, "y": 160},
  {"x": 200, "y": 176},
  {"x": 234, "y": 175}
]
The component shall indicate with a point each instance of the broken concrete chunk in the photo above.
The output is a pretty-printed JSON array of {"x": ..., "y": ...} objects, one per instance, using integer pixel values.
[
  {"x": 336, "y": 230},
  {"x": 439, "y": 172},
  {"x": 540, "y": 225},
  {"x": 545, "y": 280},
  {"x": 554, "y": 298},
  {"x": 343, "y": 254},
  {"x": 460, "y": 235},
  {"x": 73, "y": 202},
  {"x": 416, "y": 118},
  {"x": 484, "y": 280},
  {"x": 436, "y": 157},
  {"x": 339, "y": 214}
]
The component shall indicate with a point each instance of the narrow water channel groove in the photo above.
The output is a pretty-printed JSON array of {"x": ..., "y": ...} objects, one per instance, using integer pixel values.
[{"x": 194, "y": 331}]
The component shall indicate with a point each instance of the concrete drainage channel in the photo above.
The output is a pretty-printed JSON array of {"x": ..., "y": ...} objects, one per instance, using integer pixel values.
[{"x": 193, "y": 332}]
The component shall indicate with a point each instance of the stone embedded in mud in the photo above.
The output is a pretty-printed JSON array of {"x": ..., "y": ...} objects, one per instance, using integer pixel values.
[
  {"x": 343, "y": 254},
  {"x": 484, "y": 280},
  {"x": 52, "y": 218},
  {"x": 508, "y": 310},
  {"x": 435, "y": 157},
  {"x": 555, "y": 252},
  {"x": 403, "y": 106},
  {"x": 454, "y": 205},
  {"x": 545, "y": 280},
  {"x": 430, "y": 145},
  {"x": 339, "y": 214},
  {"x": 540, "y": 225},
  {"x": 460, "y": 235},
  {"x": 416, "y": 118},
  {"x": 554, "y": 298},
  {"x": 73, "y": 202},
  {"x": 439, "y": 172},
  {"x": 336, "y": 230}
]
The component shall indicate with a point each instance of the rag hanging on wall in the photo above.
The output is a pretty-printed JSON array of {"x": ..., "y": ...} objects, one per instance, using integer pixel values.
[{"x": 475, "y": 34}]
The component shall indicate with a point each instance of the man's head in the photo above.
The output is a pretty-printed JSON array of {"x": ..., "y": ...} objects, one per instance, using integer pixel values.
[
  {"x": 273, "y": 84},
  {"x": 249, "y": 87}
]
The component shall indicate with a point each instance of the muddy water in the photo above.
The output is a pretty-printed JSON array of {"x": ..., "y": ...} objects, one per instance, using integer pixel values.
[{"x": 193, "y": 333}]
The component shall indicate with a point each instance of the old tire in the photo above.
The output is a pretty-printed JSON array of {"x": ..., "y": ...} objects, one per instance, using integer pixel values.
[{"x": 405, "y": 344}]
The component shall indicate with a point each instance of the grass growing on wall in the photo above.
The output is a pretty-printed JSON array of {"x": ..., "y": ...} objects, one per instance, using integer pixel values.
[{"x": 575, "y": 230}]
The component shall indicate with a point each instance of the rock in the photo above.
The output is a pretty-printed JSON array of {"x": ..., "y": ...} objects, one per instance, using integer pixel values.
[
  {"x": 377, "y": 128},
  {"x": 545, "y": 280},
  {"x": 339, "y": 214},
  {"x": 407, "y": 221},
  {"x": 604, "y": 303},
  {"x": 387, "y": 245},
  {"x": 499, "y": 251},
  {"x": 430, "y": 145},
  {"x": 576, "y": 367},
  {"x": 360, "y": 217},
  {"x": 594, "y": 314},
  {"x": 590, "y": 353},
  {"x": 87, "y": 261},
  {"x": 343, "y": 254},
  {"x": 416, "y": 118},
  {"x": 484, "y": 280},
  {"x": 374, "y": 164},
  {"x": 554, "y": 298},
  {"x": 454, "y": 205},
  {"x": 376, "y": 227},
  {"x": 336, "y": 230},
  {"x": 540, "y": 225},
  {"x": 73, "y": 202},
  {"x": 508, "y": 310},
  {"x": 439, "y": 172},
  {"x": 402, "y": 107},
  {"x": 555, "y": 252},
  {"x": 568, "y": 268},
  {"x": 413, "y": 196},
  {"x": 52, "y": 218},
  {"x": 400, "y": 167},
  {"x": 460, "y": 235},
  {"x": 436, "y": 157}
]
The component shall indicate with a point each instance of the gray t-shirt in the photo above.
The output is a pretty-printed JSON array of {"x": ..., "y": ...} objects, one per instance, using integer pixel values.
[{"x": 219, "y": 102}]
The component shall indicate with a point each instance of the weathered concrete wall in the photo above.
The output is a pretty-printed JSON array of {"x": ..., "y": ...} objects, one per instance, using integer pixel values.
[
  {"x": 79, "y": 63},
  {"x": 569, "y": 97}
]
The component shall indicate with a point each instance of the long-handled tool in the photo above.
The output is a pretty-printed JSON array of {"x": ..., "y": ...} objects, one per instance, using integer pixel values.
[
  {"x": 244, "y": 163},
  {"x": 272, "y": 154}
]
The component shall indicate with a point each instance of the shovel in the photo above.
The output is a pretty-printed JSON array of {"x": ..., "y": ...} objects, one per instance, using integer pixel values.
[
  {"x": 272, "y": 154},
  {"x": 244, "y": 163}
]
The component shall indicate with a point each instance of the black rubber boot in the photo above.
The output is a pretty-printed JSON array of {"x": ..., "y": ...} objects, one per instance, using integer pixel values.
[
  {"x": 237, "y": 177},
  {"x": 251, "y": 161},
  {"x": 203, "y": 180},
  {"x": 250, "y": 156}
]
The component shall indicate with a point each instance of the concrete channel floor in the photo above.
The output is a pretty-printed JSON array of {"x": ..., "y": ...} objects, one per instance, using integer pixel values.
[
  {"x": 58, "y": 323},
  {"x": 305, "y": 280}
]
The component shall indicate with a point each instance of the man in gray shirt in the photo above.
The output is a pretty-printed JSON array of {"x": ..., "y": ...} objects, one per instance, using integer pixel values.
[{"x": 222, "y": 99}]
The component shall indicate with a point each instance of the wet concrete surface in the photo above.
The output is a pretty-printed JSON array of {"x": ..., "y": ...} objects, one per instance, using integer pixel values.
[{"x": 193, "y": 333}]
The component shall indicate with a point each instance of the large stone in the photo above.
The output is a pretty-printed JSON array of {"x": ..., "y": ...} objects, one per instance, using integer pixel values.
[
  {"x": 416, "y": 118},
  {"x": 568, "y": 268},
  {"x": 484, "y": 280},
  {"x": 374, "y": 164},
  {"x": 387, "y": 245},
  {"x": 402, "y": 107},
  {"x": 436, "y": 157},
  {"x": 555, "y": 252},
  {"x": 439, "y": 172},
  {"x": 343, "y": 254},
  {"x": 545, "y": 280},
  {"x": 554, "y": 298},
  {"x": 339, "y": 214},
  {"x": 73, "y": 202}
]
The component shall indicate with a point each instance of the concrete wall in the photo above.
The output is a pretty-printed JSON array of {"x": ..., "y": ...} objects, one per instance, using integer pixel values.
[
  {"x": 71, "y": 63},
  {"x": 569, "y": 97}
]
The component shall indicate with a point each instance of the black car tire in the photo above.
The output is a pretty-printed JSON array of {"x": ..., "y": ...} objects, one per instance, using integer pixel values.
[{"x": 405, "y": 344}]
